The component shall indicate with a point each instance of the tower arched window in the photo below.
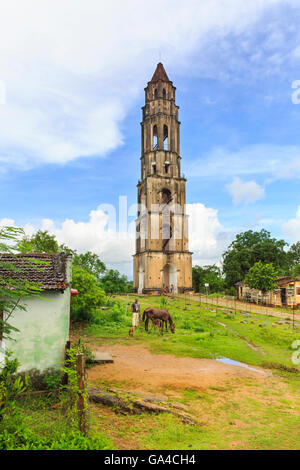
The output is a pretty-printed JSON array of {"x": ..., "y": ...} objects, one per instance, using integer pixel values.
[
  {"x": 155, "y": 137},
  {"x": 166, "y": 196},
  {"x": 164, "y": 94},
  {"x": 166, "y": 138},
  {"x": 155, "y": 93}
]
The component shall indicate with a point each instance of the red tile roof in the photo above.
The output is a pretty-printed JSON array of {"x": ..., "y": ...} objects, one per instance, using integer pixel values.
[{"x": 50, "y": 273}]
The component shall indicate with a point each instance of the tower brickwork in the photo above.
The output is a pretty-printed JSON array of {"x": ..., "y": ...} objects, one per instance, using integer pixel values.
[{"x": 162, "y": 258}]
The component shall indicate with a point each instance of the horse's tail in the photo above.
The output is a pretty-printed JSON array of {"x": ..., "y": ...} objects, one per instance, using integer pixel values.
[{"x": 145, "y": 313}]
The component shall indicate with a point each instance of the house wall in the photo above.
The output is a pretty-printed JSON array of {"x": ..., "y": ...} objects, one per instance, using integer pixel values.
[
  {"x": 43, "y": 331},
  {"x": 273, "y": 297},
  {"x": 294, "y": 290}
]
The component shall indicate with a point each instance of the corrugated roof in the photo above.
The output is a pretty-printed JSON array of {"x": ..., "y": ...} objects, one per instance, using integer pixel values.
[
  {"x": 283, "y": 280},
  {"x": 240, "y": 283},
  {"x": 50, "y": 273}
]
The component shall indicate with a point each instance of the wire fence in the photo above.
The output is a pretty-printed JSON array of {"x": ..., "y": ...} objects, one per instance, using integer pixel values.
[{"x": 245, "y": 310}]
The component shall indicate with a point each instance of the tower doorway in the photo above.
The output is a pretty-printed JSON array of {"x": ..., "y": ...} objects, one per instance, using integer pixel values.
[{"x": 170, "y": 277}]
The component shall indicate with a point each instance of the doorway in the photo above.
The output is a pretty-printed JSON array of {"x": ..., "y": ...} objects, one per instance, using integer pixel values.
[
  {"x": 170, "y": 278},
  {"x": 283, "y": 296}
]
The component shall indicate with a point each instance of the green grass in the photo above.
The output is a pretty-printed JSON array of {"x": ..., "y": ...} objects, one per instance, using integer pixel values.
[
  {"x": 43, "y": 425},
  {"x": 199, "y": 334},
  {"x": 261, "y": 418},
  {"x": 241, "y": 414}
]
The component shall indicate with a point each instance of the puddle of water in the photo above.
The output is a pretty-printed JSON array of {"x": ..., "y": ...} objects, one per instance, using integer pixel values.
[{"x": 231, "y": 362}]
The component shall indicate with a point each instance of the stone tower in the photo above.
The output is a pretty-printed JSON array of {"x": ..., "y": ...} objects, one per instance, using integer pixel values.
[{"x": 162, "y": 256}]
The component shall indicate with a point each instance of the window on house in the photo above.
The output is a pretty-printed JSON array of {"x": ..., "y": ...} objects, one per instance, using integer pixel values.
[{"x": 154, "y": 168}]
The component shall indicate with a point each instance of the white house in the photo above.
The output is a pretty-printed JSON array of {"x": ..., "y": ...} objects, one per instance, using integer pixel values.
[{"x": 43, "y": 328}]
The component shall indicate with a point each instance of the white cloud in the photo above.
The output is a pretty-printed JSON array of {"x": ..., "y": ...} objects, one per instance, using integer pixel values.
[
  {"x": 247, "y": 192},
  {"x": 206, "y": 235},
  {"x": 291, "y": 228},
  {"x": 72, "y": 69},
  {"x": 259, "y": 159}
]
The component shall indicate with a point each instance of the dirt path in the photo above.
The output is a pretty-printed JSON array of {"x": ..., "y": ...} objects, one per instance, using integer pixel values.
[{"x": 136, "y": 368}]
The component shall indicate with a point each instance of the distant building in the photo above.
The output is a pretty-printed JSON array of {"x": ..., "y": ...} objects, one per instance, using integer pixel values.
[
  {"x": 44, "y": 326},
  {"x": 286, "y": 294},
  {"x": 162, "y": 260}
]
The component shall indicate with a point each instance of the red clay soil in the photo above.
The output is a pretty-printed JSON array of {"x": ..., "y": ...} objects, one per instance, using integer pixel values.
[{"x": 137, "y": 369}]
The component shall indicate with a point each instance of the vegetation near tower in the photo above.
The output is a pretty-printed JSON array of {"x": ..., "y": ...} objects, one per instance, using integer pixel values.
[
  {"x": 211, "y": 275},
  {"x": 249, "y": 248},
  {"x": 262, "y": 277},
  {"x": 90, "y": 275}
]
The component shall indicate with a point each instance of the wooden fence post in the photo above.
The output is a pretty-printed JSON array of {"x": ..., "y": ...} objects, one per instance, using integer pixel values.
[
  {"x": 80, "y": 367},
  {"x": 66, "y": 363}
]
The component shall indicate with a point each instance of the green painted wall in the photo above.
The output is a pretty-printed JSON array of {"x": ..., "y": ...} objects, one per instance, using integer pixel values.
[{"x": 43, "y": 331}]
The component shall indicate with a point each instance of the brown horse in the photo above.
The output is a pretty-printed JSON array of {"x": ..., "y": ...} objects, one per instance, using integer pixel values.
[
  {"x": 159, "y": 323},
  {"x": 159, "y": 314}
]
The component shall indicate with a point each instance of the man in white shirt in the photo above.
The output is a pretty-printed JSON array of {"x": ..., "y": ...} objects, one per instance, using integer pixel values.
[{"x": 135, "y": 310}]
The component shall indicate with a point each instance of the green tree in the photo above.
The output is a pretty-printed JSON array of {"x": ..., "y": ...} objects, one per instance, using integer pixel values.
[
  {"x": 115, "y": 283},
  {"x": 293, "y": 254},
  {"x": 13, "y": 289},
  {"x": 247, "y": 249},
  {"x": 262, "y": 277},
  {"x": 90, "y": 262},
  {"x": 90, "y": 297},
  {"x": 295, "y": 272},
  {"x": 208, "y": 274},
  {"x": 40, "y": 242}
]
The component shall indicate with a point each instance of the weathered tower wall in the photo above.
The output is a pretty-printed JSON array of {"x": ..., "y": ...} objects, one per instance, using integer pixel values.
[{"x": 162, "y": 256}]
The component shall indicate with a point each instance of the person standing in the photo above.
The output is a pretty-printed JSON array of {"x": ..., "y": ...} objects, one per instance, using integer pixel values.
[{"x": 135, "y": 310}]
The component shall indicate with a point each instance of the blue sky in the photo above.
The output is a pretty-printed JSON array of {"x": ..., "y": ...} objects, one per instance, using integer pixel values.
[{"x": 72, "y": 88}]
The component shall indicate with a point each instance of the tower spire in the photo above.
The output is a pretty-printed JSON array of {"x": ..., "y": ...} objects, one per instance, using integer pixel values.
[{"x": 160, "y": 74}]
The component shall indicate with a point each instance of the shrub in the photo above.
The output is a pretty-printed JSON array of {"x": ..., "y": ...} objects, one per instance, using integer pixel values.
[
  {"x": 15, "y": 435},
  {"x": 52, "y": 381},
  {"x": 90, "y": 297},
  {"x": 163, "y": 302},
  {"x": 49, "y": 379},
  {"x": 186, "y": 325},
  {"x": 115, "y": 315}
]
